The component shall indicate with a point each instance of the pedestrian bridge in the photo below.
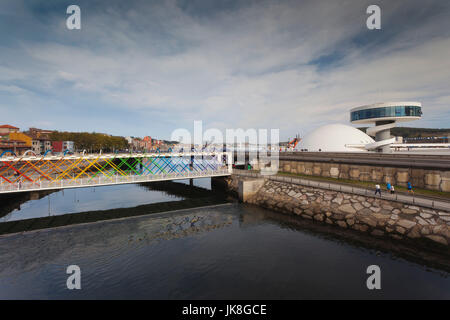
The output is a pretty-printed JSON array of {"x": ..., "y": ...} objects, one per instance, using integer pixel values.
[{"x": 49, "y": 172}]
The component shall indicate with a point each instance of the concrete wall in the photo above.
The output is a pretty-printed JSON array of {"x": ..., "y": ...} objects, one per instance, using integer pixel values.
[
  {"x": 370, "y": 214},
  {"x": 249, "y": 188},
  {"x": 420, "y": 178}
]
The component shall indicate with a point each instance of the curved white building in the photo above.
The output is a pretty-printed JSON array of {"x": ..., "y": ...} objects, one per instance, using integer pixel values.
[
  {"x": 384, "y": 116},
  {"x": 335, "y": 138}
]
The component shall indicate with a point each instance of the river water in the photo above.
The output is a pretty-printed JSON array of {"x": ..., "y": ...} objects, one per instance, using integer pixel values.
[{"x": 230, "y": 251}]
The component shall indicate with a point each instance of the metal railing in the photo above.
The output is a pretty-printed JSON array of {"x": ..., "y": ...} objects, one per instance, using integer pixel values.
[
  {"x": 408, "y": 199},
  {"x": 24, "y": 186}
]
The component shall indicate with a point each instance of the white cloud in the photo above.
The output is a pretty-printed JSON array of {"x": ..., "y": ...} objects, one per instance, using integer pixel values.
[{"x": 242, "y": 68}]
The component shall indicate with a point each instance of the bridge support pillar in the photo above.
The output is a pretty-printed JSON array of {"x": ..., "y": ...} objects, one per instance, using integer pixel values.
[
  {"x": 34, "y": 195},
  {"x": 248, "y": 188}
]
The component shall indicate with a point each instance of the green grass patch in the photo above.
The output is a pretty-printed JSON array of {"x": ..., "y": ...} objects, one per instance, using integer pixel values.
[{"x": 371, "y": 185}]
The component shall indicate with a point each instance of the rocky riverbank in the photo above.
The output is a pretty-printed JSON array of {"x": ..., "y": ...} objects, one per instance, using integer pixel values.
[{"x": 372, "y": 215}]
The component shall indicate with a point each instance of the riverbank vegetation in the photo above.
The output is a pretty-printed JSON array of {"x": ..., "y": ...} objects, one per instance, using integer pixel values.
[{"x": 91, "y": 142}]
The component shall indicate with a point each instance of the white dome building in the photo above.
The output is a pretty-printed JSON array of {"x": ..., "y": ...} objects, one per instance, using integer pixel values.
[{"x": 335, "y": 138}]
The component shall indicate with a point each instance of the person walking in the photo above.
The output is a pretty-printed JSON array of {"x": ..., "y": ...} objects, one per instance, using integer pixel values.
[
  {"x": 392, "y": 190},
  {"x": 378, "y": 189},
  {"x": 410, "y": 190},
  {"x": 388, "y": 186}
]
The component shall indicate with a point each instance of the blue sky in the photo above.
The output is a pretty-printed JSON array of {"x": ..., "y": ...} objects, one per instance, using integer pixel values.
[{"x": 149, "y": 67}]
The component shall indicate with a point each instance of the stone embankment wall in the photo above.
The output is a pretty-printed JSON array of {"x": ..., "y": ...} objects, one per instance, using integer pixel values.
[
  {"x": 377, "y": 216},
  {"x": 420, "y": 178}
]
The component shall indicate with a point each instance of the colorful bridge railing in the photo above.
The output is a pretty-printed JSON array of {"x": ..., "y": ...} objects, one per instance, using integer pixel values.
[{"x": 29, "y": 173}]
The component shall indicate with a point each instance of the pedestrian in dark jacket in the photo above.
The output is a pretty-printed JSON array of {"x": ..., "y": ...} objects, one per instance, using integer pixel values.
[{"x": 377, "y": 189}]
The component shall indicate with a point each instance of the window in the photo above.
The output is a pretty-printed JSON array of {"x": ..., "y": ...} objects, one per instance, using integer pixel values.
[{"x": 398, "y": 111}]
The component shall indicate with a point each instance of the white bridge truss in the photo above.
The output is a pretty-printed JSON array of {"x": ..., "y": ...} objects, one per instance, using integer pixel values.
[{"x": 33, "y": 173}]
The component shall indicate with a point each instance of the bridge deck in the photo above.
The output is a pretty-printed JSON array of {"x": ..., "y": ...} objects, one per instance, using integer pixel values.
[
  {"x": 103, "y": 181},
  {"x": 31, "y": 173}
]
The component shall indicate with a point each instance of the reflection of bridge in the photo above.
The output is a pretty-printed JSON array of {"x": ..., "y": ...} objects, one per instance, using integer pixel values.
[{"x": 31, "y": 173}]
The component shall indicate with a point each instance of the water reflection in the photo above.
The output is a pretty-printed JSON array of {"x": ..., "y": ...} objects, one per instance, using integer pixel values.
[
  {"x": 228, "y": 251},
  {"x": 40, "y": 204}
]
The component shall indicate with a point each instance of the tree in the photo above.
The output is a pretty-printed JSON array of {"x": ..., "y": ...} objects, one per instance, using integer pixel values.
[{"x": 91, "y": 142}]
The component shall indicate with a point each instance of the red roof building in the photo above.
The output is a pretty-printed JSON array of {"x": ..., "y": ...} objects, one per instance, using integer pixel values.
[
  {"x": 6, "y": 128},
  {"x": 146, "y": 143}
]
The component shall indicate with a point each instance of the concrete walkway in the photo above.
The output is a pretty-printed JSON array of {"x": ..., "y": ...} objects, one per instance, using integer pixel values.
[{"x": 423, "y": 201}]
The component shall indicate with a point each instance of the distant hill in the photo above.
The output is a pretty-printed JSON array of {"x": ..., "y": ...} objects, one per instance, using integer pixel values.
[{"x": 407, "y": 132}]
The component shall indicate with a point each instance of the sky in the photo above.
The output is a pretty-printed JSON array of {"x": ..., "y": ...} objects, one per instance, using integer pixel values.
[{"x": 139, "y": 68}]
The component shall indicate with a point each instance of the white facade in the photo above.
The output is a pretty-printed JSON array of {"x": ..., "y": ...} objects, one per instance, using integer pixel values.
[
  {"x": 335, "y": 138},
  {"x": 386, "y": 111},
  {"x": 68, "y": 145},
  {"x": 40, "y": 146},
  {"x": 385, "y": 116}
]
